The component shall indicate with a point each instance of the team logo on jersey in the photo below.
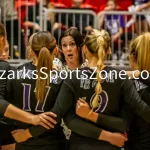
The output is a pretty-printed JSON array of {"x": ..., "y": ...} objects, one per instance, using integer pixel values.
[
  {"x": 139, "y": 85},
  {"x": 102, "y": 102}
]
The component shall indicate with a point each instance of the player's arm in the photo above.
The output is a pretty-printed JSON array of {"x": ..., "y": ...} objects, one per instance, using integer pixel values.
[
  {"x": 85, "y": 128},
  {"x": 18, "y": 114},
  {"x": 134, "y": 101},
  {"x": 63, "y": 105},
  {"x": 3, "y": 103},
  {"x": 106, "y": 121},
  {"x": 3, "y": 106},
  {"x": 144, "y": 6},
  {"x": 11, "y": 111}
]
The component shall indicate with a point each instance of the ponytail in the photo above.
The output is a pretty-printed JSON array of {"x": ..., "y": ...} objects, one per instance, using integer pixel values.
[
  {"x": 44, "y": 60},
  {"x": 98, "y": 88},
  {"x": 98, "y": 42}
]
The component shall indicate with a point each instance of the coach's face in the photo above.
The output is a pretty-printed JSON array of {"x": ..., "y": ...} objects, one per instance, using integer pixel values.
[
  {"x": 5, "y": 54},
  {"x": 69, "y": 49}
]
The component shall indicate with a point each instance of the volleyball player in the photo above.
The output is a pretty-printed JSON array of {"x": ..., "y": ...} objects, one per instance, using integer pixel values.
[
  {"x": 139, "y": 58},
  {"x": 36, "y": 132},
  {"x": 139, "y": 133},
  {"x": 112, "y": 91},
  {"x": 38, "y": 95},
  {"x": 9, "y": 110},
  {"x": 107, "y": 100}
]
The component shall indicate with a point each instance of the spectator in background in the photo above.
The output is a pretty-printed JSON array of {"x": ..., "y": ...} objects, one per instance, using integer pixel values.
[
  {"x": 141, "y": 5},
  {"x": 85, "y": 23},
  {"x": 10, "y": 20},
  {"x": 77, "y": 3},
  {"x": 33, "y": 18},
  {"x": 33, "y": 22},
  {"x": 114, "y": 24}
]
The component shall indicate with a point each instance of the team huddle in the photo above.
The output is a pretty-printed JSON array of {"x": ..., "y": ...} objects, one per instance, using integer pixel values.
[{"x": 75, "y": 113}]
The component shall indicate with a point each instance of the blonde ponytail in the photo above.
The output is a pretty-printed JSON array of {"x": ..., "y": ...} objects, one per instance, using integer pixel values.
[
  {"x": 98, "y": 42},
  {"x": 98, "y": 88},
  {"x": 44, "y": 60},
  {"x": 140, "y": 50}
]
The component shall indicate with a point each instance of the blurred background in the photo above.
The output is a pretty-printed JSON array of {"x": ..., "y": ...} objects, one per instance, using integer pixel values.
[{"x": 124, "y": 20}]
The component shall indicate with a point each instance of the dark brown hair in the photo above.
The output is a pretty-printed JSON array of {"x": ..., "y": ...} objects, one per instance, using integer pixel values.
[{"x": 78, "y": 38}]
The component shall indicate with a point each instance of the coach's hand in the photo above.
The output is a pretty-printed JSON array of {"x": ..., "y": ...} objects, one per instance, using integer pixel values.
[
  {"x": 21, "y": 135},
  {"x": 47, "y": 120}
]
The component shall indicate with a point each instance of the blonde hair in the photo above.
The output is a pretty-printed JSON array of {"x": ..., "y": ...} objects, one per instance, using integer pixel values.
[
  {"x": 98, "y": 42},
  {"x": 43, "y": 44},
  {"x": 140, "y": 49}
]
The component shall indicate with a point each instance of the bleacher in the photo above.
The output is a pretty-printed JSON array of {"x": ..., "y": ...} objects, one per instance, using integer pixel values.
[{"x": 62, "y": 8}]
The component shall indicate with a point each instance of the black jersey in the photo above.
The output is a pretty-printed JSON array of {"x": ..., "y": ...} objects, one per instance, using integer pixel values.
[
  {"x": 4, "y": 127},
  {"x": 139, "y": 132},
  {"x": 144, "y": 79},
  {"x": 4, "y": 68},
  {"x": 115, "y": 92},
  {"x": 21, "y": 91}
]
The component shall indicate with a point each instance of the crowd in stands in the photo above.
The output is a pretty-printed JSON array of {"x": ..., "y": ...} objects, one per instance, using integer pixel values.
[{"x": 29, "y": 20}]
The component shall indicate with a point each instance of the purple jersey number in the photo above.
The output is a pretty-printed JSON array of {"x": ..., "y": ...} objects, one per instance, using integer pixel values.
[
  {"x": 26, "y": 98},
  {"x": 102, "y": 102}
]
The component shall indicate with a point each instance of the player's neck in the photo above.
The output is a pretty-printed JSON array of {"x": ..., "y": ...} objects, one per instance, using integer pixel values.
[
  {"x": 34, "y": 62},
  {"x": 93, "y": 63}
]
